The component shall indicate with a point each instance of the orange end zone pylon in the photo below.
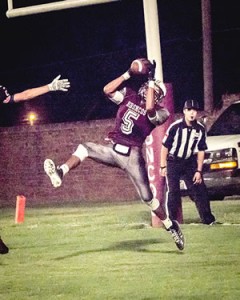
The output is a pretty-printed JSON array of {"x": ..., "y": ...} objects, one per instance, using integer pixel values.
[{"x": 20, "y": 209}]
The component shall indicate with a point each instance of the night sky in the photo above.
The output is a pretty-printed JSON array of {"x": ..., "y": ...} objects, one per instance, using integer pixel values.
[{"x": 92, "y": 45}]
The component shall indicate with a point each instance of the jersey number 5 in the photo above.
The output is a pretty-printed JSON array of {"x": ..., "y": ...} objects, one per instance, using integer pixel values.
[{"x": 128, "y": 121}]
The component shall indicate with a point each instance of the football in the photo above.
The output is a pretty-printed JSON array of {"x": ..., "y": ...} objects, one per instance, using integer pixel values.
[{"x": 140, "y": 66}]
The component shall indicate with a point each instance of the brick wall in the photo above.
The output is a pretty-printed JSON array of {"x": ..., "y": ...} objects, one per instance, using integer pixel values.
[{"x": 24, "y": 148}]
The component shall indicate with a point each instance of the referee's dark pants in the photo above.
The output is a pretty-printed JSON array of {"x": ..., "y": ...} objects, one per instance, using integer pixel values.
[{"x": 185, "y": 169}]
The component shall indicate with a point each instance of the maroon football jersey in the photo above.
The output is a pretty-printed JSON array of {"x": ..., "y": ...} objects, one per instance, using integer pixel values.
[{"x": 132, "y": 125}]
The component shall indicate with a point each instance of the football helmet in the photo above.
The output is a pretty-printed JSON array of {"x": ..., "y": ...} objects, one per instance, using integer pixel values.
[{"x": 159, "y": 88}]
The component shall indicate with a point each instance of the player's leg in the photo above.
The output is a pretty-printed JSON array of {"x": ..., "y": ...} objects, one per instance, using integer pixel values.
[
  {"x": 100, "y": 153},
  {"x": 137, "y": 172},
  {"x": 56, "y": 173}
]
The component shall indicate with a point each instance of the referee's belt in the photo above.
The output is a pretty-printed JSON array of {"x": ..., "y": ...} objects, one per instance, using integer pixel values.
[{"x": 172, "y": 157}]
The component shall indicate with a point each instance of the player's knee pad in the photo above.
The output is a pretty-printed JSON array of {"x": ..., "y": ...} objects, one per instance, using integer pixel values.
[
  {"x": 153, "y": 204},
  {"x": 81, "y": 152}
]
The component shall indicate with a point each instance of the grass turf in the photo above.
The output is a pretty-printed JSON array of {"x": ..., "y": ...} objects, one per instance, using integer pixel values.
[{"x": 112, "y": 252}]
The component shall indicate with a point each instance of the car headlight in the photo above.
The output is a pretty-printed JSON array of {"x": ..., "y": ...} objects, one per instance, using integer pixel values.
[{"x": 222, "y": 159}]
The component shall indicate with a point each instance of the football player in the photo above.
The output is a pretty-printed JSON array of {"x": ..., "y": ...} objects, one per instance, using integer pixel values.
[
  {"x": 138, "y": 96},
  {"x": 56, "y": 85}
]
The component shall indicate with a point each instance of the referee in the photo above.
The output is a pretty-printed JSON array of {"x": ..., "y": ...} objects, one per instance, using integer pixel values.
[{"x": 182, "y": 156}]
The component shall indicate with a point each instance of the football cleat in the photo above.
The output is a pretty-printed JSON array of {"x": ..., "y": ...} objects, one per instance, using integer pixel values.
[
  {"x": 3, "y": 248},
  {"x": 55, "y": 174},
  {"x": 177, "y": 235}
]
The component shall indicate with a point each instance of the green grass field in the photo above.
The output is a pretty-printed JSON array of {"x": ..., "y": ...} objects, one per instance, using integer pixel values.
[{"x": 112, "y": 252}]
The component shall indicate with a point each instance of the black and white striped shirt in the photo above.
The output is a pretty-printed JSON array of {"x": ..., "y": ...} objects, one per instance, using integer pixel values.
[{"x": 184, "y": 141}]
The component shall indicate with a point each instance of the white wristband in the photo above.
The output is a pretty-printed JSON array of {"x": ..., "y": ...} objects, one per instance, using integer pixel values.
[
  {"x": 126, "y": 75},
  {"x": 151, "y": 84}
]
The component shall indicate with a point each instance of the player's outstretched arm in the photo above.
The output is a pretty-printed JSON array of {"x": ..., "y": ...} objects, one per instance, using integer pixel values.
[
  {"x": 110, "y": 89},
  {"x": 136, "y": 68},
  {"x": 150, "y": 103},
  {"x": 56, "y": 85}
]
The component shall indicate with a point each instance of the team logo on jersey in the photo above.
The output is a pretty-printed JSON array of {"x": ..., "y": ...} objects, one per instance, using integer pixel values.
[{"x": 136, "y": 108}]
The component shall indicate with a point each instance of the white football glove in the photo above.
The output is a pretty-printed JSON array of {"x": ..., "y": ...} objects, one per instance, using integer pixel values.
[{"x": 59, "y": 85}]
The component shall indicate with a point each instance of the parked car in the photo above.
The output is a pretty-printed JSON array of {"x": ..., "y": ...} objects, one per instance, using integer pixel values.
[{"x": 221, "y": 170}]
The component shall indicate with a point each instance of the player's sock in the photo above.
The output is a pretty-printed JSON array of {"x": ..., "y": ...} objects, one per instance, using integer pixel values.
[
  {"x": 167, "y": 223},
  {"x": 65, "y": 169}
]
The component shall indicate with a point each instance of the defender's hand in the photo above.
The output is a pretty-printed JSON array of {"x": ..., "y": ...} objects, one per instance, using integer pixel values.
[{"x": 59, "y": 85}]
